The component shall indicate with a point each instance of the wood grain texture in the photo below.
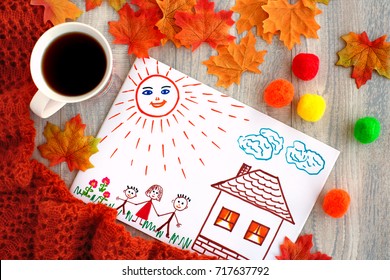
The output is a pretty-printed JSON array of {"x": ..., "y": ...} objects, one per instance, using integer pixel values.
[{"x": 362, "y": 170}]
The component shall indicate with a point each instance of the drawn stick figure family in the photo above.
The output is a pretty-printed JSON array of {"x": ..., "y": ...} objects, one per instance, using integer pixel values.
[{"x": 154, "y": 193}]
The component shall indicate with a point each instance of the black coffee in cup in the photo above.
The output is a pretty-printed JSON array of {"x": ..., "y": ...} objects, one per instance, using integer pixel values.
[{"x": 74, "y": 64}]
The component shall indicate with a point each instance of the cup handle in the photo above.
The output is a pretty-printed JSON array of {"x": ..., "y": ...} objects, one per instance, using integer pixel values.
[{"x": 43, "y": 106}]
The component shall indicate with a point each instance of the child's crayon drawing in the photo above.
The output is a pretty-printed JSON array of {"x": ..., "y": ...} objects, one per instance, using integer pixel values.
[{"x": 199, "y": 170}]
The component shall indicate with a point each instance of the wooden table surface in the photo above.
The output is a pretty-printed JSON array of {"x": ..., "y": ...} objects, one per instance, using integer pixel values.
[{"x": 362, "y": 170}]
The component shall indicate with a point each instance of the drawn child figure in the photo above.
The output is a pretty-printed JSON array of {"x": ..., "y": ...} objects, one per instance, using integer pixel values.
[
  {"x": 154, "y": 192},
  {"x": 180, "y": 203},
  {"x": 130, "y": 193}
]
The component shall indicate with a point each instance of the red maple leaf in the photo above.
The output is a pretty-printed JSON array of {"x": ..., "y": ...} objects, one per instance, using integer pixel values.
[
  {"x": 145, "y": 4},
  {"x": 204, "y": 26},
  {"x": 365, "y": 56},
  {"x": 300, "y": 250},
  {"x": 137, "y": 29}
]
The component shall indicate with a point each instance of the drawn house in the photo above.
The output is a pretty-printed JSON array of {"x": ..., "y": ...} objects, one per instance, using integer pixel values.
[{"x": 247, "y": 214}]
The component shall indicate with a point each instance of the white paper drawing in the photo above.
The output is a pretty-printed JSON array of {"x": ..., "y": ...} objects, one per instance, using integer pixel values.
[{"x": 186, "y": 164}]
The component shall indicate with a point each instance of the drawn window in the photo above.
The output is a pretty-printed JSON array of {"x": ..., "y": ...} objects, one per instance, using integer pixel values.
[
  {"x": 227, "y": 219},
  {"x": 256, "y": 233}
]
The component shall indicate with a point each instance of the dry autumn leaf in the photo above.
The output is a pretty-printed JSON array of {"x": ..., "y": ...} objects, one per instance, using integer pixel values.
[
  {"x": 145, "y": 4},
  {"x": 167, "y": 24},
  {"x": 365, "y": 56},
  {"x": 252, "y": 14},
  {"x": 57, "y": 11},
  {"x": 92, "y": 4},
  {"x": 69, "y": 145},
  {"x": 233, "y": 60},
  {"x": 136, "y": 29},
  {"x": 204, "y": 26},
  {"x": 312, "y": 4},
  {"x": 300, "y": 250},
  {"x": 297, "y": 20}
]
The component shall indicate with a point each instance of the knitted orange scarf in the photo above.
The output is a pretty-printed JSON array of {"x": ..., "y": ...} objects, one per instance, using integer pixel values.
[{"x": 39, "y": 218}]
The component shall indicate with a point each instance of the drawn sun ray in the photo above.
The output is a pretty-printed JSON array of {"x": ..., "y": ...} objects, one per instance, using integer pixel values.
[
  {"x": 114, "y": 152},
  {"x": 117, "y": 114},
  {"x": 157, "y": 103},
  {"x": 166, "y": 74},
  {"x": 162, "y": 125},
  {"x": 131, "y": 79},
  {"x": 128, "y": 133},
  {"x": 129, "y": 90},
  {"x": 178, "y": 80},
  {"x": 132, "y": 115}
]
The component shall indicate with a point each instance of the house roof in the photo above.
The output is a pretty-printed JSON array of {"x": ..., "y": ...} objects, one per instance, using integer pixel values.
[{"x": 260, "y": 189}]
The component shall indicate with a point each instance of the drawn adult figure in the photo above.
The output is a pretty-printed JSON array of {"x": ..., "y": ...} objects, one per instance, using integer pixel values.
[
  {"x": 154, "y": 192},
  {"x": 157, "y": 96},
  {"x": 130, "y": 193},
  {"x": 180, "y": 203}
]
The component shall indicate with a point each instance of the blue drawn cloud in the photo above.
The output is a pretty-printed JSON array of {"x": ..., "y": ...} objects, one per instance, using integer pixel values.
[
  {"x": 263, "y": 145},
  {"x": 307, "y": 160},
  {"x": 274, "y": 139}
]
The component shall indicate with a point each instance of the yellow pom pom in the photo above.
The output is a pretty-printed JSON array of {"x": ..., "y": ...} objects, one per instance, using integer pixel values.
[{"x": 311, "y": 107}]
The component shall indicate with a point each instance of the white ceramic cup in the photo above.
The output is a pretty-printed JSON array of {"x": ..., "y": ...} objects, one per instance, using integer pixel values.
[{"x": 47, "y": 101}]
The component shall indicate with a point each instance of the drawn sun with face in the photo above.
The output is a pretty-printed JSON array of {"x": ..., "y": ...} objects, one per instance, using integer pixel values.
[
  {"x": 157, "y": 96},
  {"x": 167, "y": 117}
]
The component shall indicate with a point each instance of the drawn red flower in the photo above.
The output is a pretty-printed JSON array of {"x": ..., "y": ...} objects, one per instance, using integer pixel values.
[
  {"x": 106, "y": 181},
  {"x": 93, "y": 183},
  {"x": 106, "y": 194}
]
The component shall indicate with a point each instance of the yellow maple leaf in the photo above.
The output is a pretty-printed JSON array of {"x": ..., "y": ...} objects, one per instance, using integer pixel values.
[
  {"x": 57, "y": 11},
  {"x": 233, "y": 60},
  {"x": 291, "y": 21},
  {"x": 252, "y": 14},
  {"x": 69, "y": 145},
  {"x": 92, "y": 4},
  {"x": 167, "y": 25}
]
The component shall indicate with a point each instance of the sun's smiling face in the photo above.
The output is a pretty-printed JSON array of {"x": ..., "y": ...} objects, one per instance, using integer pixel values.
[{"x": 157, "y": 96}]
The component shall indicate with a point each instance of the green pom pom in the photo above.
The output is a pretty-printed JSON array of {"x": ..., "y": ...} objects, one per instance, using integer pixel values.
[{"x": 367, "y": 130}]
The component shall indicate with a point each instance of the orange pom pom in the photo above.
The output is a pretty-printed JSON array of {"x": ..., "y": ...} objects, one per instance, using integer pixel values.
[
  {"x": 279, "y": 93},
  {"x": 336, "y": 203}
]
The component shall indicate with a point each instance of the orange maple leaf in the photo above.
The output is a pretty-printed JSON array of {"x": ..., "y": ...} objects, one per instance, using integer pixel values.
[
  {"x": 92, "y": 4},
  {"x": 365, "y": 56},
  {"x": 136, "y": 29},
  {"x": 252, "y": 14},
  {"x": 312, "y": 4},
  {"x": 300, "y": 250},
  {"x": 57, "y": 11},
  {"x": 233, "y": 60},
  {"x": 167, "y": 24},
  {"x": 291, "y": 20},
  {"x": 204, "y": 26},
  {"x": 69, "y": 145}
]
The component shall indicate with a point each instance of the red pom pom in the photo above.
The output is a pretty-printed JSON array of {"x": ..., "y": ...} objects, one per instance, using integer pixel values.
[
  {"x": 279, "y": 93},
  {"x": 336, "y": 203},
  {"x": 305, "y": 66}
]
